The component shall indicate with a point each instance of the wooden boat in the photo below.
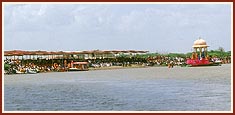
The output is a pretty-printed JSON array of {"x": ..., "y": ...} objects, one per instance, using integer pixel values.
[{"x": 79, "y": 66}]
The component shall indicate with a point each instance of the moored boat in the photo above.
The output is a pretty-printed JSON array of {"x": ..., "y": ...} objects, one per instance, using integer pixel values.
[
  {"x": 30, "y": 71},
  {"x": 79, "y": 66},
  {"x": 200, "y": 56}
]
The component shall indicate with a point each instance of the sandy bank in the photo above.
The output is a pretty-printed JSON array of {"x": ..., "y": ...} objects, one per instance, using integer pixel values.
[{"x": 118, "y": 67}]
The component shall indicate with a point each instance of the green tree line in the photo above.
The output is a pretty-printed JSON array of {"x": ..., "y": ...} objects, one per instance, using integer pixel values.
[{"x": 212, "y": 53}]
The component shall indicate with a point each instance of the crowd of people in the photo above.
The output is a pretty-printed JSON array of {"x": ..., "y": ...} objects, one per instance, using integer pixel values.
[
  {"x": 16, "y": 66},
  {"x": 180, "y": 61},
  {"x": 164, "y": 60}
]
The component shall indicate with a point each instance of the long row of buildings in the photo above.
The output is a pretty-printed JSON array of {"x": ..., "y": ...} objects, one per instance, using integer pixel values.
[{"x": 93, "y": 54}]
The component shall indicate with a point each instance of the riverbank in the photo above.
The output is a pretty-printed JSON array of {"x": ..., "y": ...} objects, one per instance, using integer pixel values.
[
  {"x": 118, "y": 67},
  {"x": 100, "y": 68}
]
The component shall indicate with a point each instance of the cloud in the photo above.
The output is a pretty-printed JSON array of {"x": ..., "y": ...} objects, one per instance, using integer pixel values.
[
  {"x": 34, "y": 17},
  {"x": 104, "y": 26}
]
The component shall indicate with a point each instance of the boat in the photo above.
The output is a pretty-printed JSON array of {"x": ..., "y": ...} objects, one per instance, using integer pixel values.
[
  {"x": 79, "y": 66},
  {"x": 203, "y": 62},
  {"x": 200, "y": 56},
  {"x": 15, "y": 71},
  {"x": 19, "y": 72},
  {"x": 30, "y": 71}
]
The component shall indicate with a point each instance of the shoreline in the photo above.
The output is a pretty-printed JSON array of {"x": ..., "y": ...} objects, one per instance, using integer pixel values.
[
  {"x": 113, "y": 68},
  {"x": 93, "y": 69},
  {"x": 117, "y": 67}
]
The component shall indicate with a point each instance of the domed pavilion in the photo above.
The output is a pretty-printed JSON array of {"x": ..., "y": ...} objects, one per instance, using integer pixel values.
[
  {"x": 200, "y": 48},
  {"x": 199, "y": 55}
]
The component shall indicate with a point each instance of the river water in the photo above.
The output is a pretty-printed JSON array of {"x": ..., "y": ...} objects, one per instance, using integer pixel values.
[{"x": 134, "y": 89}]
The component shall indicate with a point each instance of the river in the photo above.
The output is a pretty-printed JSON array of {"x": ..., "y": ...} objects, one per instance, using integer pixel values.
[{"x": 133, "y": 89}]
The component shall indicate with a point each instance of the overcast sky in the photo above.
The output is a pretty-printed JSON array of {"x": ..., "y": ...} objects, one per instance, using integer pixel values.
[{"x": 153, "y": 27}]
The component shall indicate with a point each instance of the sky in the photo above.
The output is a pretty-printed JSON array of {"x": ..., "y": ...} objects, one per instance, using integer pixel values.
[{"x": 162, "y": 28}]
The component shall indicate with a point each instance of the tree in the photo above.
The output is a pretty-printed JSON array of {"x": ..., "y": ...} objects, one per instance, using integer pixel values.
[
  {"x": 6, "y": 66},
  {"x": 221, "y": 49}
]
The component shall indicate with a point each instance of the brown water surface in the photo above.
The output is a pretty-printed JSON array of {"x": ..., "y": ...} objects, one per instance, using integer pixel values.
[{"x": 136, "y": 89}]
